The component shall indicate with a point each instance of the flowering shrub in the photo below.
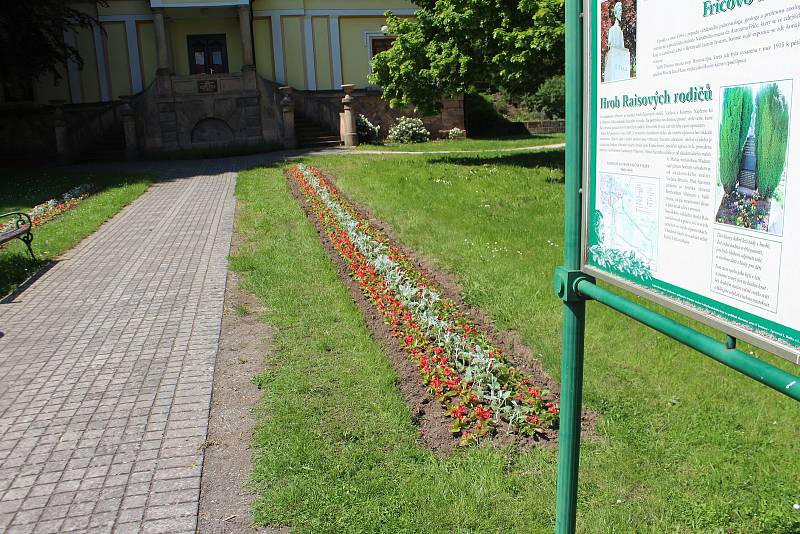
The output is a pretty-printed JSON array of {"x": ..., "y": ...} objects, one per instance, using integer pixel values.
[
  {"x": 456, "y": 133},
  {"x": 408, "y": 130},
  {"x": 367, "y": 132},
  {"x": 479, "y": 388},
  {"x": 41, "y": 213}
]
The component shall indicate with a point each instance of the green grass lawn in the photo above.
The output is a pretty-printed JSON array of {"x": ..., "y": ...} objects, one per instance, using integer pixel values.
[
  {"x": 470, "y": 144},
  {"x": 27, "y": 187},
  {"x": 682, "y": 445}
]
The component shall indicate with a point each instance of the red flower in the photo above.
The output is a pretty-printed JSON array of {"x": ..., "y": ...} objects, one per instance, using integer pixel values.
[
  {"x": 483, "y": 413},
  {"x": 436, "y": 384},
  {"x": 453, "y": 382}
]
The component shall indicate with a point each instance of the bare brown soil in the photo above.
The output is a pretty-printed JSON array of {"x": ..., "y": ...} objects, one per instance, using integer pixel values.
[
  {"x": 427, "y": 413},
  {"x": 225, "y": 501}
]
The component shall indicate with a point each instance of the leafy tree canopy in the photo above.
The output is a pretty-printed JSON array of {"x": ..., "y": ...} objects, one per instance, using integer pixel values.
[
  {"x": 32, "y": 36},
  {"x": 453, "y": 44}
]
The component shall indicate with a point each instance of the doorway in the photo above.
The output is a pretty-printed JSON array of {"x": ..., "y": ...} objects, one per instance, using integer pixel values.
[{"x": 208, "y": 54}]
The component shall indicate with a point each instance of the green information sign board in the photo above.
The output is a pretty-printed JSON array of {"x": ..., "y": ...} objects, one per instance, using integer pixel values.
[
  {"x": 692, "y": 182},
  {"x": 681, "y": 185}
]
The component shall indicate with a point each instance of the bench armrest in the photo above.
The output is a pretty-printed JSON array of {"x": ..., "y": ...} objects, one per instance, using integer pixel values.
[{"x": 22, "y": 218}]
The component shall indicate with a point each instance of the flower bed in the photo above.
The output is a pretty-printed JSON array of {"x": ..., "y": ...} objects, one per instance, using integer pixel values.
[
  {"x": 46, "y": 211},
  {"x": 481, "y": 391},
  {"x": 745, "y": 211}
]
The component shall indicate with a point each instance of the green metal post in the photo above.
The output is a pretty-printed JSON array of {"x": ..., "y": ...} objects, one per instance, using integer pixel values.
[{"x": 574, "y": 309}]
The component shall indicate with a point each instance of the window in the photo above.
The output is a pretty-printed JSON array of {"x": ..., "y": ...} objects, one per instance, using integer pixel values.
[
  {"x": 208, "y": 54},
  {"x": 379, "y": 44}
]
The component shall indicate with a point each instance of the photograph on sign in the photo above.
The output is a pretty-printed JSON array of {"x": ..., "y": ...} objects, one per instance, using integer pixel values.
[
  {"x": 618, "y": 39},
  {"x": 691, "y": 176}
]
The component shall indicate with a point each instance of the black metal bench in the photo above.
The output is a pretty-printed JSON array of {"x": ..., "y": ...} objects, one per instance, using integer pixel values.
[{"x": 21, "y": 231}]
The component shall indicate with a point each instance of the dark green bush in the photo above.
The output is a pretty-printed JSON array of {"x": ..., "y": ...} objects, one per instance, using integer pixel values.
[
  {"x": 549, "y": 98},
  {"x": 772, "y": 136},
  {"x": 737, "y": 114}
]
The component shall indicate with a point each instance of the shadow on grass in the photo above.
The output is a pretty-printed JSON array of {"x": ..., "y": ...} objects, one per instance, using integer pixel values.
[
  {"x": 545, "y": 158},
  {"x": 35, "y": 185},
  {"x": 16, "y": 269}
]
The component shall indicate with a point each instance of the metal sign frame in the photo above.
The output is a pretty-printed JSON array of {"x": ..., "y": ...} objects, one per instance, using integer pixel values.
[
  {"x": 574, "y": 284},
  {"x": 683, "y": 307}
]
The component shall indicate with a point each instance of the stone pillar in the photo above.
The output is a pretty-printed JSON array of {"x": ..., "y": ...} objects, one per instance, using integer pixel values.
[
  {"x": 349, "y": 132},
  {"x": 246, "y": 29},
  {"x": 287, "y": 108},
  {"x": 453, "y": 112},
  {"x": 129, "y": 128},
  {"x": 162, "y": 46},
  {"x": 63, "y": 153}
]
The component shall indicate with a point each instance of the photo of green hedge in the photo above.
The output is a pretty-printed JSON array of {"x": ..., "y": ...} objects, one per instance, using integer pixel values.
[
  {"x": 737, "y": 114},
  {"x": 772, "y": 134},
  {"x": 753, "y": 142}
]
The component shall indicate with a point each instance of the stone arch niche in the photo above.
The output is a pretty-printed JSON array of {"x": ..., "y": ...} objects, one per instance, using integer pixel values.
[{"x": 212, "y": 131}]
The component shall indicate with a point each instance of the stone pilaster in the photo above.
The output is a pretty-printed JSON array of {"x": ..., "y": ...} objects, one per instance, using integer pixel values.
[
  {"x": 129, "y": 129},
  {"x": 287, "y": 109},
  {"x": 164, "y": 67},
  {"x": 349, "y": 132},
  {"x": 63, "y": 152},
  {"x": 246, "y": 29}
]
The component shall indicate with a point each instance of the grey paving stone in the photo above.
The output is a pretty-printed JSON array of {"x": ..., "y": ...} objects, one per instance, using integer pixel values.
[{"x": 106, "y": 368}]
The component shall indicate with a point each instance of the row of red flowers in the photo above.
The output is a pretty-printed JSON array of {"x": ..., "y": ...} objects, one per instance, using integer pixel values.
[
  {"x": 46, "y": 211},
  {"x": 478, "y": 387}
]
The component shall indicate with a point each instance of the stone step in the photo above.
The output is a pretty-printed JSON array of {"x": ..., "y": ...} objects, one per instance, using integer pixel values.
[
  {"x": 311, "y": 134},
  {"x": 318, "y": 138},
  {"x": 319, "y": 144}
]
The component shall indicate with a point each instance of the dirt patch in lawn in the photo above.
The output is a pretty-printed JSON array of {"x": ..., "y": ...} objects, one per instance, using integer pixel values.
[
  {"x": 225, "y": 501},
  {"x": 427, "y": 413}
]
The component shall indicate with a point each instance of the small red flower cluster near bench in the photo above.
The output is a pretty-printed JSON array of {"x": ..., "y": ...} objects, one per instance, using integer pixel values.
[
  {"x": 46, "y": 211},
  {"x": 481, "y": 391}
]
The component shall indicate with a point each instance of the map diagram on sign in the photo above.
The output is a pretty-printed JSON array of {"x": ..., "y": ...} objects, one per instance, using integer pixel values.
[{"x": 629, "y": 205}]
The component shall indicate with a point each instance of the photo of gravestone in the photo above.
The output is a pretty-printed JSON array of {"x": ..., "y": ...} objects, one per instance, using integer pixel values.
[
  {"x": 753, "y": 143},
  {"x": 618, "y": 40}
]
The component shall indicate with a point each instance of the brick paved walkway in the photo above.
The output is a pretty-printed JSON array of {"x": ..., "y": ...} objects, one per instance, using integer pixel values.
[{"x": 106, "y": 367}]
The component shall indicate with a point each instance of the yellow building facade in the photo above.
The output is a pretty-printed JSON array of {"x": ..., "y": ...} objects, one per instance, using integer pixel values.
[
  {"x": 314, "y": 45},
  {"x": 164, "y": 76}
]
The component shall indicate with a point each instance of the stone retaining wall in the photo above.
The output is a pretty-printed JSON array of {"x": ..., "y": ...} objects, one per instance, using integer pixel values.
[
  {"x": 371, "y": 105},
  {"x": 544, "y": 127},
  {"x": 28, "y": 131}
]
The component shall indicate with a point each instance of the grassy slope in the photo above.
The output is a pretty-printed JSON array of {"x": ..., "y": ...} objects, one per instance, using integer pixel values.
[
  {"x": 470, "y": 144},
  {"x": 683, "y": 444},
  {"x": 33, "y": 186}
]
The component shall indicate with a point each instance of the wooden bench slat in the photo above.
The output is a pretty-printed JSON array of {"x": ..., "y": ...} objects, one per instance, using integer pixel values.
[{"x": 13, "y": 234}]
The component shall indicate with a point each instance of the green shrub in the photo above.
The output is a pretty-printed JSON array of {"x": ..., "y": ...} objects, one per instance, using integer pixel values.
[
  {"x": 367, "y": 132},
  {"x": 549, "y": 98},
  {"x": 408, "y": 130},
  {"x": 772, "y": 136},
  {"x": 737, "y": 113}
]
